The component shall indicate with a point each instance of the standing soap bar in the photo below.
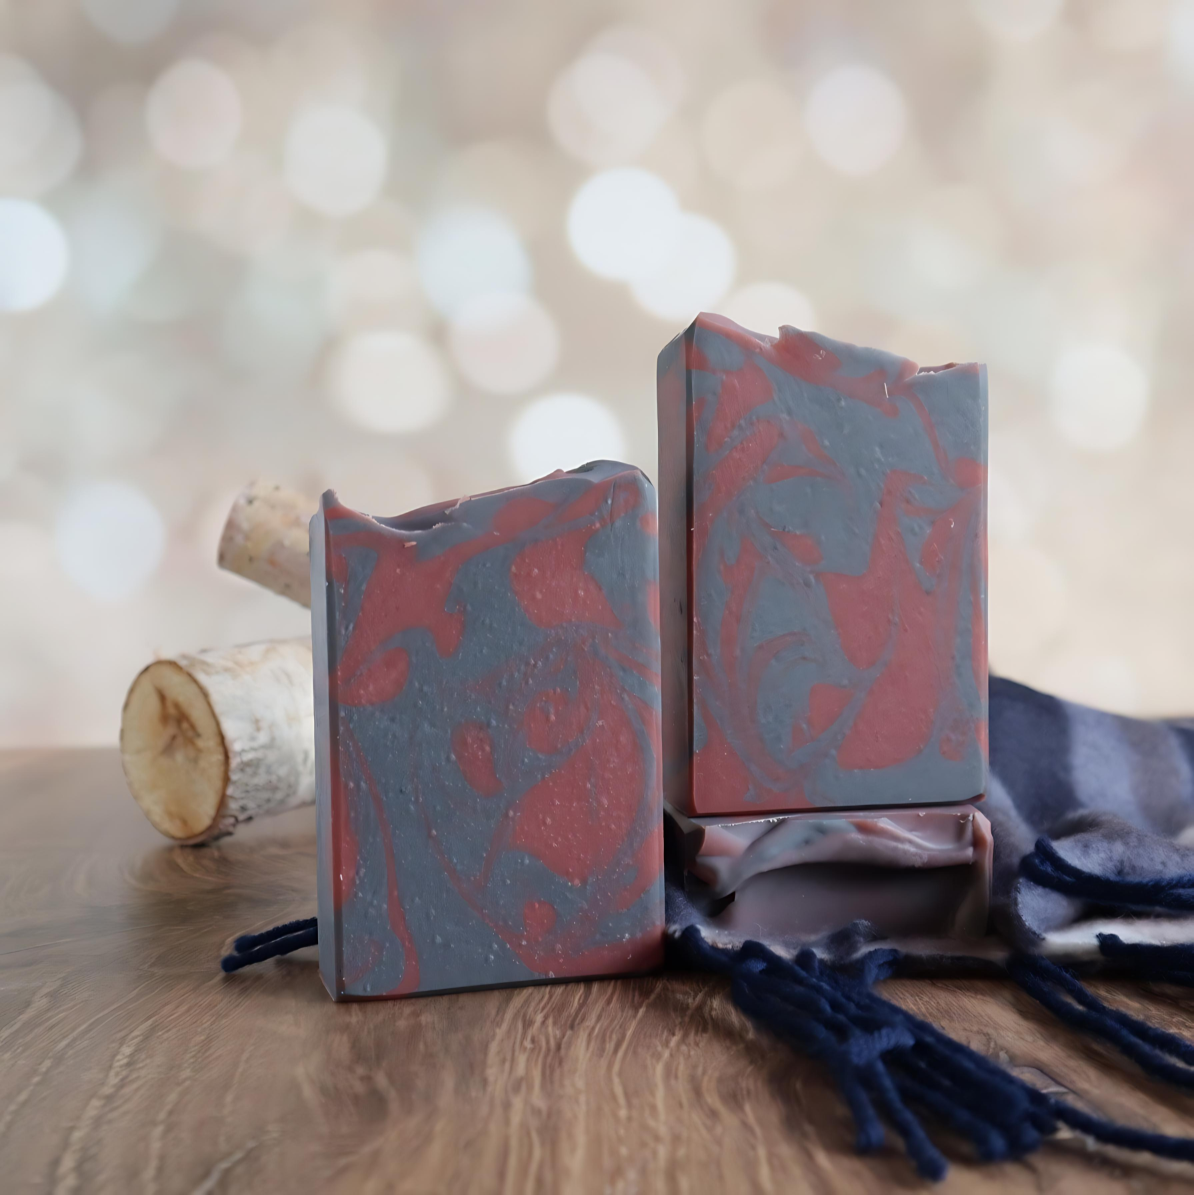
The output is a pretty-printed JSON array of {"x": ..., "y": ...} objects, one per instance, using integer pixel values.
[
  {"x": 488, "y": 737},
  {"x": 822, "y": 573}
]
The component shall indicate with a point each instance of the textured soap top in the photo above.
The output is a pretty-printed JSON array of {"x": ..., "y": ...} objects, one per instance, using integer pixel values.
[
  {"x": 919, "y": 872},
  {"x": 733, "y": 850},
  {"x": 488, "y": 729},
  {"x": 823, "y": 573}
]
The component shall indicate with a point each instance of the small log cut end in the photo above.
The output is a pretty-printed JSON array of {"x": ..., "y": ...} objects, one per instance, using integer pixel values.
[
  {"x": 173, "y": 752},
  {"x": 266, "y": 539},
  {"x": 219, "y": 737}
]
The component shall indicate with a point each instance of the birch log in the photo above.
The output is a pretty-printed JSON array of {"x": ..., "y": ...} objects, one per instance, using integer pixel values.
[
  {"x": 214, "y": 739},
  {"x": 265, "y": 539}
]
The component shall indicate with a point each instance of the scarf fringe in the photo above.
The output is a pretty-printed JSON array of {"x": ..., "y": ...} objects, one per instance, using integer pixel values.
[
  {"x": 282, "y": 939},
  {"x": 893, "y": 1068},
  {"x": 1046, "y": 866}
]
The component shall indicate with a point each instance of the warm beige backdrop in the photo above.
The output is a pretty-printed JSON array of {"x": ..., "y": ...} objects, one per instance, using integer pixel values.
[{"x": 417, "y": 249}]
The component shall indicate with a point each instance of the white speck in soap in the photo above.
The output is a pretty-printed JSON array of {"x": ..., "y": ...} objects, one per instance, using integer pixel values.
[{"x": 438, "y": 940}]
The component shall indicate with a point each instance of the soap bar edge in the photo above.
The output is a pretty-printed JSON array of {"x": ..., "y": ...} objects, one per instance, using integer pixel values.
[{"x": 330, "y": 944}]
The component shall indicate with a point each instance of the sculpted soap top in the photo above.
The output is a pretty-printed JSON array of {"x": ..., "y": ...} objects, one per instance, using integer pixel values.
[{"x": 822, "y": 571}]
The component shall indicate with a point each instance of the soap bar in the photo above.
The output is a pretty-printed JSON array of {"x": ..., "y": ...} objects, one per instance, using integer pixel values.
[
  {"x": 488, "y": 776},
  {"x": 913, "y": 872},
  {"x": 822, "y": 574}
]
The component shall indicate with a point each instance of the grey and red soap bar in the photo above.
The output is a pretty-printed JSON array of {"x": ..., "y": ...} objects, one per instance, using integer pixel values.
[
  {"x": 498, "y": 719},
  {"x": 823, "y": 574},
  {"x": 488, "y": 740}
]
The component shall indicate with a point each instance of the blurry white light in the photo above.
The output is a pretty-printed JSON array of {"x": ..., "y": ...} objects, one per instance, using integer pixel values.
[
  {"x": 1017, "y": 20},
  {"x": 114, "y": 236},
  {"x": 390, "y": 381},
  {"x": 1179, "y": 40},
  {"x": 1016, "y": 321},
  {"x": 695, "y": 275},
  {"x": 40, "y": 140},
  {"x": 515, "y": 176},
  {"x": 323, "y": 57},
  {"x": 25, "y": 549},
  {"x": 243, "y": 206},
  {"x": 193, "y": 114},
  {"x": 1071, "y": 152},
  {"x": 623, "y": 223},
  {"x": 1009, "y": 516},
  {"x": 1099, "y": 396},
  {"x": 371, "y": 284},
  {"x": 115, "y": 121},
  {"x": 34, "y": 255},
  {"x": 855, "y": 118},
  {"x": 1108, "y": 682},
  {"x": 274, "y": 327},
  {"x": 335, "y": 159},
  {"x": 605, "y": 108},
  {"x": 109, "y": 539},
  {"x": 651, "y": 53},
  {"x": 1128, "y": 25},
  {"x": 115, "y": 406},
  {"x": 767, "y": 306},
  {"x": 1029, "y": 602},
  {"x": 469, "y": 251},
  {"x": 751, "y": 134},
  {"x": 504, "y": 343},
  {"x": 130, "y": 22},
  {"x": 26, "y": 114},
  {"x": 182, "y": 278},
  {"x": 941, "y": 257},
  {"x": 562, "y": 431},
  {"x": 608, "y": 105}
]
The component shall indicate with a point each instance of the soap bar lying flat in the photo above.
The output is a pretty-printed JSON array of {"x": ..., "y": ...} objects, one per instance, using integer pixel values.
[
  {"x": 822, "y": 573},
  {"x": 488, "y": 737},
  {"x": 923, "y": 873}
]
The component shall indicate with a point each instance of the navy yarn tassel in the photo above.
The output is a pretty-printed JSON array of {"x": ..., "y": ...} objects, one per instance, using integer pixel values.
[
  {"x": 1046, "y": 867},
  {"x": 282, "y": 939},
  {"x": 1165, "y": 964},
  {"x": 1158, "y": 1053},
  {"x": 894, "y": 1068}
]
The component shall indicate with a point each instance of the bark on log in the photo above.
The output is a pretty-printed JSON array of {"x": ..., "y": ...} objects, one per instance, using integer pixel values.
[
  {"x": 214, "y": 739},
  {"x": 266, "y": 539}
]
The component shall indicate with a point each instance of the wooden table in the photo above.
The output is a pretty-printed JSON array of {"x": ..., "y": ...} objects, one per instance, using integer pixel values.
[{"x": 129, "y": 1063}]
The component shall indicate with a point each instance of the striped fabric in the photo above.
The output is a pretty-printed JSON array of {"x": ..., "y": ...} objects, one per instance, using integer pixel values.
[{"x": 1116, "y": 794}]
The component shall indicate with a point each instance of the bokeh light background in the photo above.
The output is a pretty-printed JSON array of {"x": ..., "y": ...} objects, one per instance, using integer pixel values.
[{"x": 418, "y": 249}]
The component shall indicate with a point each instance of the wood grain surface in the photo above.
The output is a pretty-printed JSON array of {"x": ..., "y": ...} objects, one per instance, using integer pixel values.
[{"x": 129, "y": 1063}]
